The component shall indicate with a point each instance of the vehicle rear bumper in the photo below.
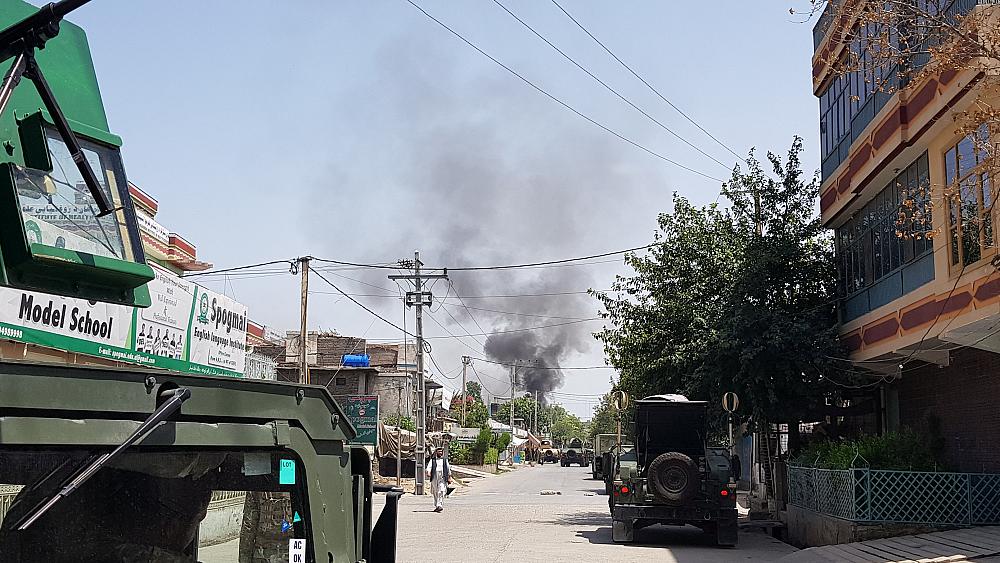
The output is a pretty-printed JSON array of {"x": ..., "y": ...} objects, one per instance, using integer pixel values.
[{"x": 665, "y": 513}]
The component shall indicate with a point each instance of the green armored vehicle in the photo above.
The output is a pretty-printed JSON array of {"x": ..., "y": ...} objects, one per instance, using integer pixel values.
[
  {"x": 678, "y": 479},
  {"x": 602, "y": 444},
  {"x": 117, "y": 465},
  {"x": 110, "y": 465},
  {"x": 614, "y": 459},
  {"x": 575, "y": 452}
]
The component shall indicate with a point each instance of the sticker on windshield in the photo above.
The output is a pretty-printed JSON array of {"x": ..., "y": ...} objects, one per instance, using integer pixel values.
[
  {"x": 286, "y": 472},
  {"x": 296, "y": 551},
  {"x": 256, "y": 463}
]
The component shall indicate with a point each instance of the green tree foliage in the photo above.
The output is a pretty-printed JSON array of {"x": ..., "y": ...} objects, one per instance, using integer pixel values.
[
  {"x": 604, "y": 420},
  {"x": 404, "y": 422},
  {"x": 739, "y": 299},
  {"x": 476, "y": 413},
  {"x": 474, "y": 390},
  {"x": 524, "y": 408}
]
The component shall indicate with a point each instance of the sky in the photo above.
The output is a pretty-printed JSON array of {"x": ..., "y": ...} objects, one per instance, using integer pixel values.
[{"x": 361, "y": 131}]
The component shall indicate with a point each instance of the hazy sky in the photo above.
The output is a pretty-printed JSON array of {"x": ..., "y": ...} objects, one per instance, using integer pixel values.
[{"x": 362, "y": 131}]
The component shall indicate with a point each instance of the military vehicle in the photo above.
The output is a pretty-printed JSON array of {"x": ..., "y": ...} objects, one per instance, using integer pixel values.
[
  {"x": 122, "y": 464},
  {"x": 602, "y": 445},
  {"x": 547, "y": 453},
  {"x": 678, "y": 478},
  {"x": 612, "y": 463},
  {"x": 575, "y": 453}
]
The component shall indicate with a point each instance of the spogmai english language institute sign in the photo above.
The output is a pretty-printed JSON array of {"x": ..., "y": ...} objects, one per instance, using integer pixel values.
[{"x": 187, "y": 328}]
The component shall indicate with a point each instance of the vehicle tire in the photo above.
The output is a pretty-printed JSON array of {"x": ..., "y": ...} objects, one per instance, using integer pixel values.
[
  {"x": 674, "y": 478},
  {"x": 622, "y": 531}
]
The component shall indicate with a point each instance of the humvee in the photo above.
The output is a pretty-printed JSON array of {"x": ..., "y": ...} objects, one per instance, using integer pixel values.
[
  {"x": 113, "y": 464},
  {"x": 574, "y": 454},
  {"x": 678, "y": 479},
  {"x": 547, "y": 452},
  {"x": 613, "y": 460},
  {"x": 602, "y": 444}
]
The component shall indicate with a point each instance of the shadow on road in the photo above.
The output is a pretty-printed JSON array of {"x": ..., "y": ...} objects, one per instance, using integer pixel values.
[{"x": 653, "y": 536}]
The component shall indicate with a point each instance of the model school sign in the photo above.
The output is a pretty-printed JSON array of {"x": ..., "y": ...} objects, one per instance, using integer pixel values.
[{"x": 187, "y": 328}]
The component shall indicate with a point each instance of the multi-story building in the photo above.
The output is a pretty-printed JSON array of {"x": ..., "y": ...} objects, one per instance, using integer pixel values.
[{"x": 918, "y": 303}]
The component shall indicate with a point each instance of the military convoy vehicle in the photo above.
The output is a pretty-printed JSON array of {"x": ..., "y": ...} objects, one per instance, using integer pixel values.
[
  {"x": 613, "y": 461},
  {"x": 575, "y": 453},
  {"x": 678, "y": 478},
  {"x": 547, "y": 453},
  {"x": 102, "y": 465},
  {"x": 602, "y": 445}
]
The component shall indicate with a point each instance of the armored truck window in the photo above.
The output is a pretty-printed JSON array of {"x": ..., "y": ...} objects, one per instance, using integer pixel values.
[
  {"x": 161, "y": 506},
  {"x": 58, "y": 209}
]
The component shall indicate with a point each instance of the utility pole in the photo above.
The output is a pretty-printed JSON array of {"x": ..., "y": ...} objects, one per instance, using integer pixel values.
[
  {"x": 419, "y": 298},
  {"x": 399, "y": 431},
  {"x": 534, "y": 424},
  {"x": 465, "y": 367},
  {"x": 303, "y": 313}
]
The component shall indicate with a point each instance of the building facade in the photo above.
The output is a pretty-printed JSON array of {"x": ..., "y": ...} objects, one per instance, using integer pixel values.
[{"x": 913, "y": 220}]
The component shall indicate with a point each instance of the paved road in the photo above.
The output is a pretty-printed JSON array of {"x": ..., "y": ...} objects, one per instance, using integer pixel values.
[{"x": 505, "y": 518}]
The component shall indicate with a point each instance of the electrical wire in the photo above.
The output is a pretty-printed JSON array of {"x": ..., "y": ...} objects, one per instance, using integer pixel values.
[
  {"x": 559, "y": 101},
  {"x": 553, "y": 262},
  {"x": 609, "y": 88},
  {"x": 543, "y": 367},
  {"x": 238, "y": 268},
  {"x": 644, "y": 81},
  {"x": 362, "y": 305},
  {"x": 512, "y": 313}
]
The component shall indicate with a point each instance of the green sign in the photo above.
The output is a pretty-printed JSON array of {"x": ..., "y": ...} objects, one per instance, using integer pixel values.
[{"x": 362, "y": 411}]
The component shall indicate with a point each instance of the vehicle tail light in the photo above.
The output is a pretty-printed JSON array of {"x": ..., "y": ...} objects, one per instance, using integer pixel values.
[
  {"x": 724, "y": 492},
  {"x": 625, "y": 489}
]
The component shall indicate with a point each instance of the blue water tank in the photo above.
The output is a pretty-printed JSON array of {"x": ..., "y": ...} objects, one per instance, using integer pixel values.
[{"x": 355, "y": 360}]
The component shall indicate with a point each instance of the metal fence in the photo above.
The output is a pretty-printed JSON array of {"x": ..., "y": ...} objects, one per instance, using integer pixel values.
[{"x": 875, "y": 495}]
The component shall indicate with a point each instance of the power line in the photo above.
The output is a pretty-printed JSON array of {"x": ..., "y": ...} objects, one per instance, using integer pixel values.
[
  {"x": 237, "y": 268},
  {"x": 363, "y": 306},
  {"x": 543, "y": 367},
  {"x": 646, "y": 83},
  {"x": 552, "y": 262},
  {"x": 559, "y": 101},
  {"x": 519, "y": 314},
  {"x": 609, "y": 88}
]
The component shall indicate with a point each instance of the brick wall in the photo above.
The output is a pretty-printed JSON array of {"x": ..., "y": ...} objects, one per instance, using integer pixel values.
[{"x": 965, "y": 397}]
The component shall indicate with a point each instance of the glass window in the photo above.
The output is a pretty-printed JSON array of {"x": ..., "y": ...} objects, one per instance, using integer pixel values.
[
  {"x": 58, "y": 209},
  {"x": 151, "y": 506},
  {"x": 889, "y": 232},
  {"x": 970, "y": 201}
]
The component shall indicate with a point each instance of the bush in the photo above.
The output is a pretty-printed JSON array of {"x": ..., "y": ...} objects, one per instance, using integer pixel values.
[
  {"x": 906, "y": 450},
  {"x": 491, "y": 457},
  {"x": 461, "y": 455},
  {"x": 502, "y": 441}
]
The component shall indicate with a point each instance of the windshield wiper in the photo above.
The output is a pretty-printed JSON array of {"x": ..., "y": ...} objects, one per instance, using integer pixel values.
[{"x": 174, "y": 398}]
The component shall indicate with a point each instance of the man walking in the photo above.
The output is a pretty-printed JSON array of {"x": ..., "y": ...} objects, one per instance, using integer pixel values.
[{"x": 440, "y": 475}]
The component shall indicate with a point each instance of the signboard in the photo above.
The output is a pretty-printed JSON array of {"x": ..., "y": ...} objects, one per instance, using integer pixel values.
[
  {"x": 187, "y": 328},
  {"x": 362, "y": 411}
]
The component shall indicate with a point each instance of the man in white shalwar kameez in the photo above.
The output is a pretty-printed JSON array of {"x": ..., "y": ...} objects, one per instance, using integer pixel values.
[{"x": 440, "y": 475}]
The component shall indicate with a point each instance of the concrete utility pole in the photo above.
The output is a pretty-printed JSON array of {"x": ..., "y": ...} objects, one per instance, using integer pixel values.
[
  {"x": 399, "y": 432},
  {"x": 534, "y": 424},
  {"x": 419, "y": 298},
  {"x": 465, "y": 367},
  {"x": 303, "y": 310}
]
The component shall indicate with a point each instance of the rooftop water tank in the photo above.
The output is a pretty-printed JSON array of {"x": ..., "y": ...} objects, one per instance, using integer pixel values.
[{"x": 355, "y": 360}]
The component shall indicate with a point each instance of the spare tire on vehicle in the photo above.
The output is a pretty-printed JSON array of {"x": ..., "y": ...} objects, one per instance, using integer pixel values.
[{"x": 674, "y": 477}]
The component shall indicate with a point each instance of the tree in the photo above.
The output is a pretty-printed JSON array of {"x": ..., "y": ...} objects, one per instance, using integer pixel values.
[
  {"x": 475, "y": 390},
  {"x": 566, "y": 427},
  {"x": 739, "y": 299},
  {"x": 524, "y": 408},
  {"x": 604, "y": 420}
]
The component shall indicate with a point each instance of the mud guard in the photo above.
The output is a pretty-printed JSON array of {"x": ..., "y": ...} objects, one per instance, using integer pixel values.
[
  {"x": 623, "y": 531},
  {"x": 384, "y": 533},
  {"x": 727, "y": 532}
]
